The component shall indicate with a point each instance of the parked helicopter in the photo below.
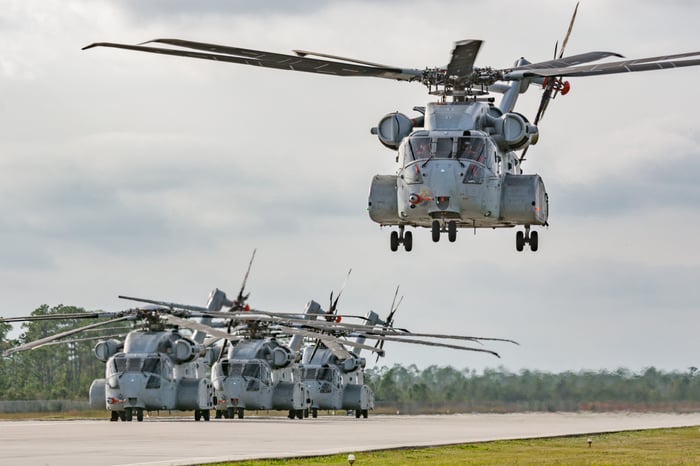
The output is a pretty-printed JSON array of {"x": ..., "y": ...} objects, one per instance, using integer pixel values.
[
  {"x": 262, "y": 373},
  {"x": 156, "y": 367},
  {"x": 334, "y": 383},
  {"x": 458, "y": 161}
]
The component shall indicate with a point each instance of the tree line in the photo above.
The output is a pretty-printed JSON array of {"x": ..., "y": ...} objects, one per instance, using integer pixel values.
[{"x": 65, "y": 372}]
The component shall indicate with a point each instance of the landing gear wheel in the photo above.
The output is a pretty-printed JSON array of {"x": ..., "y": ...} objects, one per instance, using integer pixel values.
[
  {"x": 139, "y": 414},
  {"x": 291, "y": 414},
  {"x": 128, "y": 414},
  {"x": 365, "y": 413},
  {"x": 394, "y": 241},
  {"x": 452, "y": 231},
  {"x": 306, "y": 412},
  {"x": 122, "y": 416},
  {"x": 206, "y": 414},
  {"x": 241, "y": 413},
  {"x": 314, "y": 413},
  {"x": 197, "y": 415},
  {"x": 519, "y": 241},
  {"x": 534, "y": 241},
  {"x": 300, "y": 413},
  {"x": 436, "y": 231},
  {"x": 408, "y": 241},
  {"x": 218, "y": 414},
  {"x": 358, "y": 414},
  {"x": 230, "y": 413},
  {"x": 114, "y": 416}
]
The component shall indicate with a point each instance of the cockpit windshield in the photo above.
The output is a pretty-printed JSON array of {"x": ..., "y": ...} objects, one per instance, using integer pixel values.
[
  {"x": 425, "y": 147},
  {"x": 321, "y": 374},
  {"x": 135, "y": 364},
  {"x": 476, "y": 155}
]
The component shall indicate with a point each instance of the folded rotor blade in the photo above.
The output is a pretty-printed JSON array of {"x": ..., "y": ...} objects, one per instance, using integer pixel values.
[
  {"x": 42, "y": 341},
  {"x": 166, "y": 304},
  {"x": 267, "y": 59},
  {"x": 463, "y": 57}
]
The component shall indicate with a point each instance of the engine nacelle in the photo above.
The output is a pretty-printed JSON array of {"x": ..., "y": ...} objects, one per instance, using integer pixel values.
[
  {"x": 512, "y": 131},
  {"x": 107, "y": 348},
  {"x": 394, "y": 127},
  {"x": 281, "y": 357},
  {"x": 184, "y": 351}
]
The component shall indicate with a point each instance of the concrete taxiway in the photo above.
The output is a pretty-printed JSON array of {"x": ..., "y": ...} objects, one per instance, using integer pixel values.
[{"x": 180, "y": 441}]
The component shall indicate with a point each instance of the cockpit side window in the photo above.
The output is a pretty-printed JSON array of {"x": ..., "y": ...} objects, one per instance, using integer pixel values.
[{"x": 420, "y": 149}]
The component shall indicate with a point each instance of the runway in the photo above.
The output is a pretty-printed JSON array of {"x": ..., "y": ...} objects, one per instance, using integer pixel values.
[{"x": 180, "y": 441}]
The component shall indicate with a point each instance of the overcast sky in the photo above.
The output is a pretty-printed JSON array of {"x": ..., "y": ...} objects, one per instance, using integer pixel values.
[{"x": 156, "y": 176}]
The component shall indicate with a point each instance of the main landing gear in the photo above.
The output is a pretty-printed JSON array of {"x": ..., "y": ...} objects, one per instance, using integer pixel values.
[
  {"x": 450, "y": 228},
  {"x": 526, "y": 237},
  {"x": 401, "y": 237}
]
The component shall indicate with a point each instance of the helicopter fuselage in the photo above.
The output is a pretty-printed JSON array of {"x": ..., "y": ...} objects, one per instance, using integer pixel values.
[
  {"x": 460, "y": 171},
  {"x": 157, "y": 370},
  {"x": 258, "y": 374}
]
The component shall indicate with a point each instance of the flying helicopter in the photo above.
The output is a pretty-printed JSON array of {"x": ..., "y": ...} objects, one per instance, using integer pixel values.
[
  {"x": 461, "y": 157},
  {"x": 156, "y": 367}
]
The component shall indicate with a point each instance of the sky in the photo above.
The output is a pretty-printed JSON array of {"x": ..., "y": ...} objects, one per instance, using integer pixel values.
[{"x": 155, "y": 176}]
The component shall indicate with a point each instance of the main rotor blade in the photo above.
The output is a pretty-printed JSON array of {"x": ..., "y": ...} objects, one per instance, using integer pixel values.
[
  {"x": 573, "y": 60},
  {"x": 81, "y": 340},
  {"x": 267, "y": 59},
  {"x": 87, "y": 315},
  {"x": 625, "y": 66},
  {"x": 463, "y": 57},
  {"x": 167, "y": 304},
  {"x": 443, "y": 336},
  {"x": 326, "y": 338},
  {"x": 42, "y": 341},
  {"x": 437, "y": 344},
  {"x": 201, "y": 327}
]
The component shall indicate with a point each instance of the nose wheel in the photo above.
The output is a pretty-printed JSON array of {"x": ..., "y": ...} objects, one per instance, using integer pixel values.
[
  {"x": 401, "y": 237},
  {"x": 526, "y": 237}
]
